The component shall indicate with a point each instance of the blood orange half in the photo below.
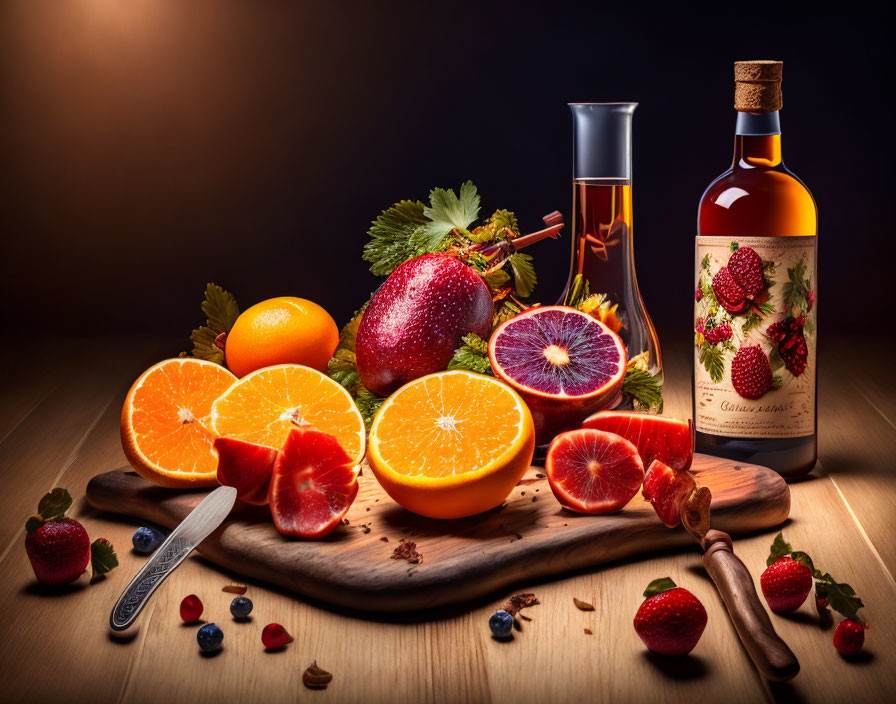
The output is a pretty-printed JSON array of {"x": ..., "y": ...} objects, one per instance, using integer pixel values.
[
  {"x": 565, "y": 363},
  {"x": 591, "y": 471},
  {"x": 669, "y": 440}
]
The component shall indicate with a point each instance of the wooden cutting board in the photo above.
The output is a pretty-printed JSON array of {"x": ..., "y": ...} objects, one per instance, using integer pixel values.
[{"x": 529, "y": 538}]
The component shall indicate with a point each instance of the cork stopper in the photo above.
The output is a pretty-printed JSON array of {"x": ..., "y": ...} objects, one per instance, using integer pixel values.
[{"x": 757, "y": 86}]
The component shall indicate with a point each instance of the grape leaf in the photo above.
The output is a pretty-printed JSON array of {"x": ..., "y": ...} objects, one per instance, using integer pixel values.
[
  {"x": 446, "y": 212},
  {"x": 392, "y": 236}
]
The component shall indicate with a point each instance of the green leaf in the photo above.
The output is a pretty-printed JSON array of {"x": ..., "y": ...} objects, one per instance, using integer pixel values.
[
  {"x": 368, "y": 404},
  {"x": 704, "y": 264},
  {"x": 472, "y": 355},
  {"x": 841, "y": 596},
  {"x": 504, "y": 218},
  {"x": 766, "y": 309},
  {"x": 54, "y": 504},
  {"x": 578, "y": 292},
  {"x": 523, "y": 273},
  {"x": 780, "y": 548},
  {"x": 391, "y": 236},
  {"x": 506, "y": 311},
  {"x": 102, "y": 557},
  {"x": 734, "y": 246},
  {"x": 221, "y": 312},
  {"x": 712, "y": 360},
  {"x": 447, "y": 211},
  {"x": 774, "y": 359},
  {"x": 751, "y": 320},
  {"x": 220, "y": 308},
  {"x": 497, "y": 278},
  {"x": 803, "y": 559},
  {"x": 643, "y": 386},
  {"x": 658, "y": 586}
]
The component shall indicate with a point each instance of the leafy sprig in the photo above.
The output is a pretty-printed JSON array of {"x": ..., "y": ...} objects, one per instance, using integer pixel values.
[
  {"x": 841, "y": 596},
  {"x": 221, "y": 311},
  {"x": 472, "y": 355}
]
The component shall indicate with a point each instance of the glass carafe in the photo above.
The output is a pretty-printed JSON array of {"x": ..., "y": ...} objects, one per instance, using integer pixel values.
[{"x": 602, "y": 271}]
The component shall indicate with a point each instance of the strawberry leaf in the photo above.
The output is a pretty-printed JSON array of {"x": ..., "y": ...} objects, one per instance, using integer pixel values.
[
  {"x": 102, "y": 557},
  {"x": 54, "y": 504},
  {"x": 803, "y": 559},
  {"x": 780, "y": 548},
  {"x": 841, "y": 597},
  {"x": 658, "y": 586}
]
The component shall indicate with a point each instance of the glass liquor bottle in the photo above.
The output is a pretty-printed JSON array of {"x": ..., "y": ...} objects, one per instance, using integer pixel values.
[
  {"x": 602, "y": 269},
  {"x": 755, "y": 314}
]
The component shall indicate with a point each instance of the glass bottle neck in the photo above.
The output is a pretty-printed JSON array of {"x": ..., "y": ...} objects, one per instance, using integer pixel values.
[{"x": 757, "y": 140}]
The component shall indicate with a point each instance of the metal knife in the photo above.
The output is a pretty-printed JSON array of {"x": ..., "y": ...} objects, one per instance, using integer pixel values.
[{"x": 203, "y": 519}]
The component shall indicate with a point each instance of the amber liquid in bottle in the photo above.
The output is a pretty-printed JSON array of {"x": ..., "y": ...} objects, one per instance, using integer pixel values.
[
  {"x": 758, "y": 197},
  {"x": 602, "y": 254}
]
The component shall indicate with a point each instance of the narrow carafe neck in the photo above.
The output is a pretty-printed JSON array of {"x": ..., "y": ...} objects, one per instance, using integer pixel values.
[{"x": 757, "y": 140}]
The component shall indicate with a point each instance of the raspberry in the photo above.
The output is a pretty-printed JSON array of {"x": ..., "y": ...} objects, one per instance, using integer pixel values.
[
  {"x": 699, "y": 327},
  {"x": 776, "y": 331},
  {"x": 746, "y": 268},
  {"x": 794, "y": 351},
  {"x": 849, "y": 637},
  {"x": 274, "y": 636},
  {"x": 730, "y": 294},
  {"x": 751, "y": 373},
  {"x": 801, "y": 320},
  {"x": 698, "y": 294},
  {"x": 190, "y": 608},
  {"x": 810, "y": 300},
  {"x": 718, "y": 334}
]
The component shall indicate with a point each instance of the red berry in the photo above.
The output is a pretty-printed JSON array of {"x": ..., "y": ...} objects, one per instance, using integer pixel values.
[
  {"x": 190, "y": 608},
  {"x": 821, "y": 604},
  {"x": 786, "y": 584},
  {"x": 794, "y": 351},
  {"x": 746, "y": 268},
  {"x": 699, "y": 326},
  {"x": 849, "y": 637},
  {"x": 728, "y": 292},
  {"x": 698, "y": 294},
  {"x": 671, "y": 622},
  {"x": 275, "y": 636},
  {"x": 59, "y": 551},
  {"x": 751, "y": 373}
]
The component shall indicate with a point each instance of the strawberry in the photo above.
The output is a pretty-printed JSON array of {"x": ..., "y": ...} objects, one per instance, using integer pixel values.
[
  {"x": 751, "y": 373},
  {"x": 745, "y": 266},
  {"x": 786, "y": 584},
  {"x": 849, "y": 637},
  {"x": 58, "y": 547},
  {"x": 670, "y": 620}
]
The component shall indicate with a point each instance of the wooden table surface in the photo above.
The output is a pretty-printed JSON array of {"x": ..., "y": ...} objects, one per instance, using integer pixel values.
[{"x": 59, "y": 411}]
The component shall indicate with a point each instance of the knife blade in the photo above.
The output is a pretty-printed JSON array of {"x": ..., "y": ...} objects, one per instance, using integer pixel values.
[{"x": 205, "y": 518}]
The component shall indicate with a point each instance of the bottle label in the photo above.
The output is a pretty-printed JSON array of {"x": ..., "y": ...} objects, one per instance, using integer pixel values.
[{"x": 754, "y": 336}]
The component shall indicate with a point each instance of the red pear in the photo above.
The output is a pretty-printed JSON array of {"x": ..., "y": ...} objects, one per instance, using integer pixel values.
[{"x": 417, "y": 318}]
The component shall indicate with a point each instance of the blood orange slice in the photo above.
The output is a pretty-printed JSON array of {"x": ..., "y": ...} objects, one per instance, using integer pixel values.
[
  {"x": 565, "y": 363},
  {"x": 313, "y": 485},
  {"x": 667, "y": 489},
  {"x": 656, "y": 437},
  {"x": 166, "y": 431},
  {"x": 247, "y": 467},
  {"x": 591, "y": 471}
]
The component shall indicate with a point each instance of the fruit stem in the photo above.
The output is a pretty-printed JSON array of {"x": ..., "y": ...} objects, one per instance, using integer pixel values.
[{"x": 554, "y": 222}]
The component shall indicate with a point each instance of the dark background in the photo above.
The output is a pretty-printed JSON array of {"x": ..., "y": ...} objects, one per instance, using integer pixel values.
[{"x": 150, "y": 146}]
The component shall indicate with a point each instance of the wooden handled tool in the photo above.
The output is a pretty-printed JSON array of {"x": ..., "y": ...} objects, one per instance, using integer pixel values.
[{"x": 771, "y": 655}]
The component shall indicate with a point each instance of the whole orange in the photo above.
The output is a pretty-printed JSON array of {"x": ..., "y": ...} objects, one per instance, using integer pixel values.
[{"x": 282, "y": 330}]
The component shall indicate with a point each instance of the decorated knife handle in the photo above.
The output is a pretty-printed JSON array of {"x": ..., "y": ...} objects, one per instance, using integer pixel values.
[
  {"x": 132, "y": 600},
  {"x": 771, "y": 655}
]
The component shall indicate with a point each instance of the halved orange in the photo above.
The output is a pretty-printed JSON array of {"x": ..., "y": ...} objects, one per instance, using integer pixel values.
[
  {"x": 451, "y": 444},
  {"x": 265, "y": 405},
  {"x": 165, "y": 430}
]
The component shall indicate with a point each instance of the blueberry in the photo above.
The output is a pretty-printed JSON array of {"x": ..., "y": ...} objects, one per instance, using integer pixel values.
[
  {"x": 501, "y": 624},
  {"x": 241, "y": 607},
  {"x": 210, "y": 638},
  {"x": 146, "y": 540}
]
